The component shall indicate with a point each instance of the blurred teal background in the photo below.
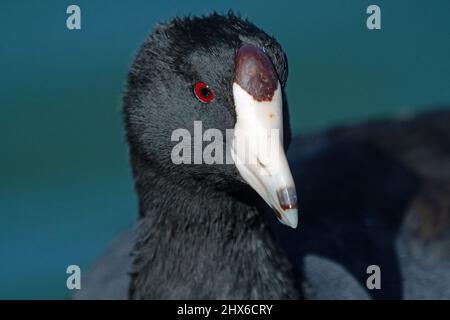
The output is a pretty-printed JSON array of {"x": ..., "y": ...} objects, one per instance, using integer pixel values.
[{"x": 65, "y": 185}]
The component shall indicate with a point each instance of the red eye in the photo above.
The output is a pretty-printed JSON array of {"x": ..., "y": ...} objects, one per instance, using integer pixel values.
[{"x": 203, "y": 92}]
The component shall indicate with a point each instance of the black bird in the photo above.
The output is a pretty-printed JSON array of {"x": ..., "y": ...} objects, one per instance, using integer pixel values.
[{"x": 370, "y": 194}]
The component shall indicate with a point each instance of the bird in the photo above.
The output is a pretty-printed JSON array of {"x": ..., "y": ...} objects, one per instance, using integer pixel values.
[{"x": 374, "y": 193}]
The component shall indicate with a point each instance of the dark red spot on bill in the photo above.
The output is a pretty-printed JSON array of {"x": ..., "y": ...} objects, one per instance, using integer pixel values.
[{"x": 287, "y": 198}]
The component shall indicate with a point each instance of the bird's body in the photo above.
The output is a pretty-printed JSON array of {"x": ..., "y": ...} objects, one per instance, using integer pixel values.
[
  {"x": 203, "y": 231},
  {"x": 392, "y": 209},
  {"x": 377, "y": 194}
]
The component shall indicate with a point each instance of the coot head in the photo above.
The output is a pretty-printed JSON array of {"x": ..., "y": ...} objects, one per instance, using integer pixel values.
[{"x": 201, "y": 76}]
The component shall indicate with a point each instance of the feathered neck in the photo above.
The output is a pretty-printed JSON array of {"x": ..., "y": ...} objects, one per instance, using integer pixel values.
[{"x": 195, "y": 242}]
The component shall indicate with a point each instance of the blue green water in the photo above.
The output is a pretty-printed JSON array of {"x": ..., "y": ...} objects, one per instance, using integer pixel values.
[{"x": 65, "y": 186}]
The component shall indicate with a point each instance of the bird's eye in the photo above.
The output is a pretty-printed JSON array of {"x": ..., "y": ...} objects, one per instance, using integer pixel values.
[{"x": 203, "y": 92}]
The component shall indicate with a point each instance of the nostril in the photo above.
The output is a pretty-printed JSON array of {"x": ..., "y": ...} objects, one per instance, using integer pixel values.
[{"x": 262, "y": 165}]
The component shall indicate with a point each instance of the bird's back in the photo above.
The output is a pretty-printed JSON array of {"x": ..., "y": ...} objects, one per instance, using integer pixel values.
[{"x": 374, "y": 194}]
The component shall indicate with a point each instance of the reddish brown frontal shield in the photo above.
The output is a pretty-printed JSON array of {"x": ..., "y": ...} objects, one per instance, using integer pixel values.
[{"x": 254, "y": 72}]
